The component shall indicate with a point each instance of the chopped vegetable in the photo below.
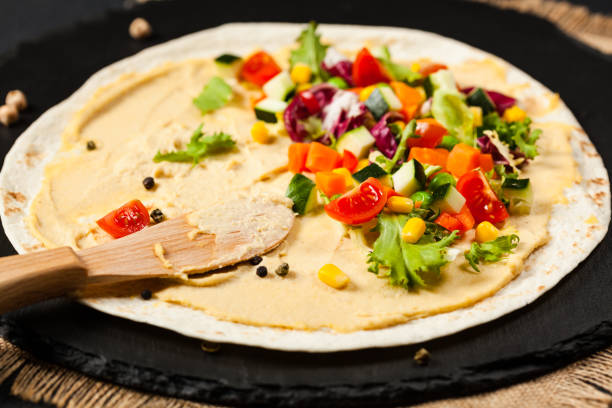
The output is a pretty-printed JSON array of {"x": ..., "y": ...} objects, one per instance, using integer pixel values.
[
  {"x": 339, "y": 67},
  {"x": 441, "y": 179},
  {"x": 400, "y": 204},
  {"x": 429, "y": 133},
  {"x": 359, "y": 205},
  {"x": 297, "y": 157},
  {"x": 358, "y": 141},
  {"x": 491, "y": 251},
  {"x": 449, "y": 108},
  {"x": 425, "y": 155},
  {"x": 280, "y": 87},
  {"x": 302, "y": 192},
  {"x": 371, "y": 170},
  {"x": 127, "y": 219},
  {"x": 462, "y": 158},
  {"x": 478, "y": 97},
  {"x": 367, "y": 70},
  {"x": 330, "y": 183},
  {"x": 405, "y": 262},
  {"x": 310, "y": 52},
  {"x": 216, "y": 94},
  {"x": 449, "y": 222},
  {"x": 198, "y": 147},
  {"x": 260, "y": 133},
  {"x": 301, "y": 73},
  {"x": 321, "y": 158},
  {"x": 348, "y": 177},
  {"x": 338, "y": 82},
  {"x": 385, "y": 140},
  {"x": 333, "y": 276},
  {"x": 466, "y": 218},
  {"x": 382, "y": 100},
  {"x": 480, "y": 198},
  {"x": 410, "y": 98},
  {"x": 431, "y": 69},
  {"x": 349, "y": 160},
  {"x": 518, "y": 195},
  {"x": 413, "y": 230},
  {"x": 485, "y": 232},
  {"x": 422, "y": 199},
  {"x": 448, "y": 199},
  {"x": 501, "y": 101},
  {"x": 259, "y": 68},
  {"x": 486, "y": 162},
  {"x": 409, "y": 178},
  {"x": 514, "y": 114}
]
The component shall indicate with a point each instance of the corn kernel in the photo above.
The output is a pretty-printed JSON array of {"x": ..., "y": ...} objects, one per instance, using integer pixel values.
[
  {"x": 477, "y": 114},
  {"x": 301, "y": 73},
  {"x": 415, "y": 67},
  {"x": 362, "y": 164},
  {"x": 333, "y": 276},
  {"x": 514, "y": 114},
  {"x": 260, "y": 133},
  {"x": 485, "y": 232},
  {"x": 303, "y": 87},
  {"x": 413, "y": 230},
  {"x": 348, "y": 178},
  {"x": 400, "y": 204},
  {"x": 365, "y": 92}
]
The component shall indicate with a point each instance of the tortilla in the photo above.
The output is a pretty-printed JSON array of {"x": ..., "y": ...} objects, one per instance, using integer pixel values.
[{"x": 584, "y": 219}]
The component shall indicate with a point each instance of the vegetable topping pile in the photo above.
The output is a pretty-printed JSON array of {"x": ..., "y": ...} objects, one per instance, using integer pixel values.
[{"x": 400, "y": 153}]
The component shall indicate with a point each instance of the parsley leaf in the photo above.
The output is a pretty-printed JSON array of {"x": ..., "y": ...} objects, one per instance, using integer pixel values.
[
  {"x": 407, "y": 262},
  {"x": 491, "y": 251},
  {"x": 198, "y": 147},
  {"x": 397, "y": 71},
  {"x": 216, "y": 93},
  {"x": 517, "y": 135},
  {"x": 311, "y": 52}
]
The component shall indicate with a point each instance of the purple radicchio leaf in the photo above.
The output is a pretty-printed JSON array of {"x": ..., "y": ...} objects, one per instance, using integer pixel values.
[
  {"x": 385, "y": 139},
  {"x": 344, "y": 113},
  {"x": 337, "y": 64},
  {"x": 296, "y": 112},
  {"x": 501, "y": 101}
]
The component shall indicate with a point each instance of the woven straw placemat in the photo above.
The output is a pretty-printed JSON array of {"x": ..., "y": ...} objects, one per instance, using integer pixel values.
[{"x": 586, "y": 383}]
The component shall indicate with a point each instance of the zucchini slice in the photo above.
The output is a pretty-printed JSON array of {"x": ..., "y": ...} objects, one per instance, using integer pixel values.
[
  {"x": 448, "y": 199},
  {"x": 267, "y": 109},
  {"x": 478, "y": 97},
  {"x": 279, "y": 87},
  {"x": 303, "y": 193},
  {"x": 358, "y": 141},
  {"x": 519, "y": 195},
  {"x": 373, "y": 170},
  {"x": 410, "y": 178}
]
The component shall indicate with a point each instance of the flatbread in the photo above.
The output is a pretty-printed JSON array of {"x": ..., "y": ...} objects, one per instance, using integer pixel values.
[{"x": 575, "y": 228}]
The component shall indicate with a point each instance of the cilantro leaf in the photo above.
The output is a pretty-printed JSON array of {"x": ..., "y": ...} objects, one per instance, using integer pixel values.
[
  {"x": 517, "y": 135},
  {"x": 198, "y": 147},
  {"x": 406, "y": 262},
  {"x": 491, "y": 251},
  {"x": 311, "y": 52},
  {"x": 216, "y": 93},
  {"x": 398, "y": 72}
]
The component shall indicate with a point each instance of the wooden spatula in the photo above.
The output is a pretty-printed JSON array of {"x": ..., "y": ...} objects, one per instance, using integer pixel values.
[{"x": 225, "y": 235}]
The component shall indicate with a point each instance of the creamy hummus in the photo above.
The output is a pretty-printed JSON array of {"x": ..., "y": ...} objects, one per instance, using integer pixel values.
[{"x": 134, "y": 117}]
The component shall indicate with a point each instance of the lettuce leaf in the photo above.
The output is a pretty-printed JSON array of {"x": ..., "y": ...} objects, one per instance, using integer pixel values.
[
  {"x": 517, "y": 135},
  {"x": 406, "y": 262},
  {"x": 310, "y": 52},
  {"x": 198, "y": 147},
  {"x": 398, "y": 72},
  {"x": 491, "y": 251},
  {"x": 216, "y": 94},
  {"x": 449, "y": 108}
]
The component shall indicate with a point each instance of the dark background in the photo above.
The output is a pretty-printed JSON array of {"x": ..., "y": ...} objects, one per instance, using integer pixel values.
[{"x": 25, "y": 21}]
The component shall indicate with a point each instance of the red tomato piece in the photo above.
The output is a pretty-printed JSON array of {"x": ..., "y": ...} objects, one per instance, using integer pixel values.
[
  {"x": 449, "y": 222},
  {"x": 430, "y": 131},
  {"x": 259, "y": 68},
  {"x": 431, "y": 68},
  {"x": 349, "y": 160},
  {"x": 480, "y": 198},
  {"x": 367, "y": 70},
  {"x": 310, "y": 101},
  {"x": 359, "y": 205},
  {"x": 127, "y": 219},
  {"x": 466, "y": 219}
]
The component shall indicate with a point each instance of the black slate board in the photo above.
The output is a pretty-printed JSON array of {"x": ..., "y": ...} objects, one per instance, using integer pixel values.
[{"x": 571, "y": 321}]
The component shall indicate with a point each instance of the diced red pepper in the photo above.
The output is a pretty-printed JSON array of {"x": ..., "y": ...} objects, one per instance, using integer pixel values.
[{"x": 367, "y": 70}]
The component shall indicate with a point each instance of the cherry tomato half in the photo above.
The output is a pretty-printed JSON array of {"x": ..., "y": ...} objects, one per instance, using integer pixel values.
[
  {"x": 367, "y": 70},
  {"x": 359, "y": 205},
  {"x": 480, "y": 198},
  {"x": 127, "y": 219},
  {"x": 259, "y": 68},
  {"x": 430, "y": 131}
]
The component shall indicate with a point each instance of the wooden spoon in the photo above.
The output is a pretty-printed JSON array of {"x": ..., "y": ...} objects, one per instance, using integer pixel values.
[{"x": 225, "y": 235}]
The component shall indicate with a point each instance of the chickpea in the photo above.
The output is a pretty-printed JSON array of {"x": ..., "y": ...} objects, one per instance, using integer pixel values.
[
  {"x": 8, "y": 114},
  {"x": 140, "y": 28},
  {"x": 17, "y": 99}
]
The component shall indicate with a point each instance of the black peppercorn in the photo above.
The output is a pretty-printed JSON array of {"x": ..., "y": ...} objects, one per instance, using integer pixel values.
[
  {"x": 91, "y": 145},
  {"x": 256, "y": 260},
  {"x": 262, "y": 271},
  {"x": 148, "y": 183},
  {"x": 282, "y": 269},
  {"x": 157, "y": 216},
  {"x": 146, "y": 294}
]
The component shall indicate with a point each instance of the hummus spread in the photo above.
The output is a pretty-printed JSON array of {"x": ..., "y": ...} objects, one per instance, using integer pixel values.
[{"x": 139, "y": 114}]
